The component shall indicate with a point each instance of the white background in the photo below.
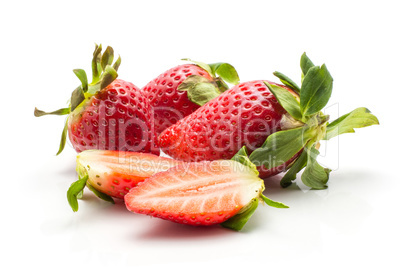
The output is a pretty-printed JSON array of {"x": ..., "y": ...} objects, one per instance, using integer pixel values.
[{"x": 352, "y": 226}]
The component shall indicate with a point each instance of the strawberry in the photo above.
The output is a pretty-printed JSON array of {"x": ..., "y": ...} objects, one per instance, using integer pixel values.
[
  {"x": 201, "y": 194},
  {"x": 172, "y": 93},
  {"x": 278, "y": 126},
  {"x": 108, "y": 113},
  {"x": 113, "y": 173},
  {"x": 245, "y": 115}
]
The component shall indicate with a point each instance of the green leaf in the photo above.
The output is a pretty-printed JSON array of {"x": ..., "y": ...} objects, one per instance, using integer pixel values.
[
  {"x": 222, "y": 86},
  {"x": 305, "y": 64},
  {"x": 75, "y": 189},
  {"x": 201, "y": 65},
  {"x": 287, "y": 100},
  {"x": 280, "y": 146},
  {"x": 314, "y": 175},
  {"x": 80, "y": 195},
  {"x": 116, "y": 64},
  {"x": 316, "y": 90},
  {"x": 238, "y": 221},
  {"x": 63, "y": 138},
  {"x": 62, "y": 111},
  {"x": 77, "y": 97},
  {"x": 295, "y": 168},
  {"x": 358, "y": 118},
  {"x": 191, "y": 81},
  {"x": 107, "y": 57},
  {"x": 273, "y": 203},
  {"x": 81, "y": 74},
  {"x": 226, "y": 71},
  {"x": 242, "y": 157},
  {"x": 199, "y": 89},
  {"x": 287, "y": 81},
  {"x": 202, "y": 93},
  {"x": 108, "y": 76},
  {"x": 100, "y": 195},
  {"x": 93, "y": 88},
  {"x": 96, "y": 63}
]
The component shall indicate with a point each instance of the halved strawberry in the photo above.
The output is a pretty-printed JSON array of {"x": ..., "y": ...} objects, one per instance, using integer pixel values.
[
  {"x": 113, "y": 173},
  {"x": 201, "y": 193}
]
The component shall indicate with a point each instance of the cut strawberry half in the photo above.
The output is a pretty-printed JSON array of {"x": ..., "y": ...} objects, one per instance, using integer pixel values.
[
  {"x": 201, "y": 193},
  {"x": 113, "y": 173}
]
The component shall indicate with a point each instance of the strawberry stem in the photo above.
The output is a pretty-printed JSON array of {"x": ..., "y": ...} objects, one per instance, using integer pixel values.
[{"x": 313, "y": 126}]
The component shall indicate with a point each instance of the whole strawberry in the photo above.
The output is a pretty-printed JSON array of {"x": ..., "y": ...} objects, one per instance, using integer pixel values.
[
  {"x": 108, "y": 113},
  {"x": 111, "y": 174},
  {"x": 245, "y": 115},
  {"x": 278, "y": 127},
  {"x": 176, "y": 93}
]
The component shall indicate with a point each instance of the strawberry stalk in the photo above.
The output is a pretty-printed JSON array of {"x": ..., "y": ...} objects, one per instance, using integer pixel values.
[
  {"x": 103, "y": 74},
  {"x": 308, "y": 126}
]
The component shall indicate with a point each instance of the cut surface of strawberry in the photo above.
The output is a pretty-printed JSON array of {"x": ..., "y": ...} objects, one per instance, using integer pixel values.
[
  {"x": 114, "y": 173},
  {"x": 200, "y": 193}
]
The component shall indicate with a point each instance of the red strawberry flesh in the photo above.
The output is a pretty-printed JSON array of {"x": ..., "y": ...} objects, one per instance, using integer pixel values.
[
  {"x": 116, "y": 172},
  {"x": 202, "y": 193}
]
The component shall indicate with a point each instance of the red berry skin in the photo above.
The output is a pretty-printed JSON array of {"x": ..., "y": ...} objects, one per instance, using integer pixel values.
[
  {"x": 169, "y": 104},
  {"x": 244, "y": 115},
  {"x": 116, "y": 118}
]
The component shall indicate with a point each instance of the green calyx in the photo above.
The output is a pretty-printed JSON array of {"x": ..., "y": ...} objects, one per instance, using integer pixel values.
[
  {"x": 238, "y": 221},
  {"x": 76, "y": 189},
  {"x": 104, "y": 72},
  {"x": 201, "y": 90},
  {"x": 308, "y": 126}
]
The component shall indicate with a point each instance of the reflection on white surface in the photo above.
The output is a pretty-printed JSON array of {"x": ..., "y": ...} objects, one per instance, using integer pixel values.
[{"x": 107, "y": 234}]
